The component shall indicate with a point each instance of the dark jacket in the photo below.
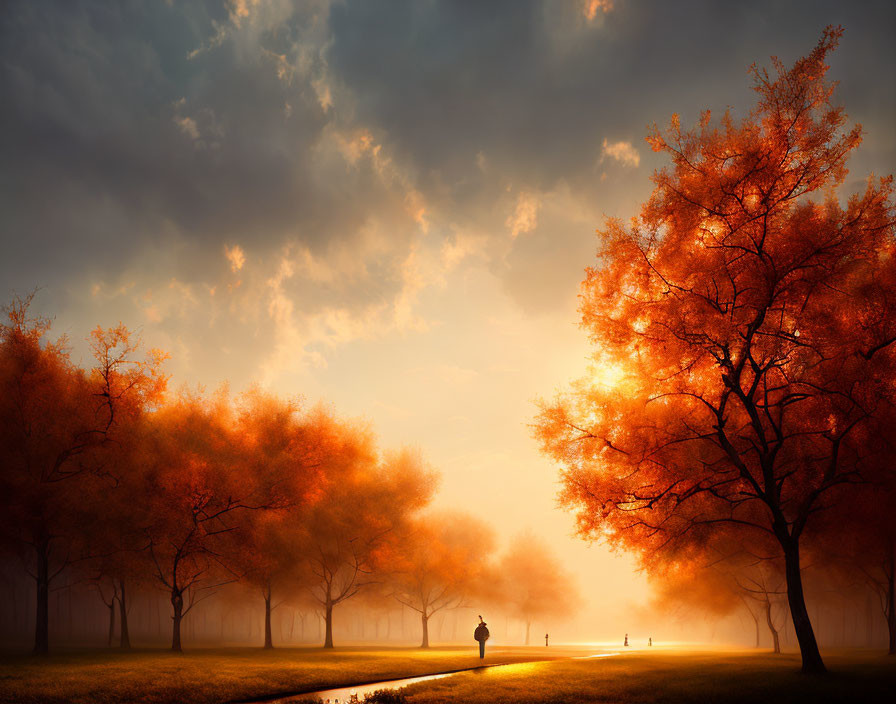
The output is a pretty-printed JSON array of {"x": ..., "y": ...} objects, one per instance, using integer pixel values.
[{"x": 481, "y": 633}]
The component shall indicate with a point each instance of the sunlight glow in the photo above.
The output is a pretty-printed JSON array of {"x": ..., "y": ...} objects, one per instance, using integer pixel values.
[{"x": 609, "y": 375}]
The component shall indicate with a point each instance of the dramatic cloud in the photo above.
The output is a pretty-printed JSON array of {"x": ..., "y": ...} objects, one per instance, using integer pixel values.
[
  {"x": 376, "y": 149},
  {"x": 623, "y": 152}
]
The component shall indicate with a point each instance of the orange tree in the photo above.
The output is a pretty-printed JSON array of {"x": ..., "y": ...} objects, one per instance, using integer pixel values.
[
  {"x": 283, "y": 448},
  {"x": 533, "y": 583},
  {"x": 365, "y": 500},
  {"x": 438, "y": 563},
  {"x": 748, "y": 318},
  {"x": 58, "y": 424}
]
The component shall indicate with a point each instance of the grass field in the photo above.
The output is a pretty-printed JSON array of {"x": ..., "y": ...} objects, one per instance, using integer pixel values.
[
  {"x": 729, "y": 678},
  {"x": 221, "y": 675},
  {"x": 230, "y": 674}
]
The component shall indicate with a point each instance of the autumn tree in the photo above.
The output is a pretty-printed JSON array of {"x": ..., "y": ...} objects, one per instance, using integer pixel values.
[
  {"x": 107, "y": 591},
  {"x": 749, "y": 317},
  {"x": 55, "y": 420},
  {"x": 116, "y": 540},
  {"x": 283, "y": 448},
  {"x": 362, "y": 500},
  {"x": 533, "y": 584},
  {"x": 437, "y": 562},
  {"x": 197, "y": 496},
  {"x": 721, "y": 574}
]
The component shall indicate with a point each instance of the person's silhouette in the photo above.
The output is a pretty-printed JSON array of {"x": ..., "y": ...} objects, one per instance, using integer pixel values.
[
  {"x": 626, "y": 640},
  {"x": 481, "y": 634},
  {"x": 545, "y": 640}
]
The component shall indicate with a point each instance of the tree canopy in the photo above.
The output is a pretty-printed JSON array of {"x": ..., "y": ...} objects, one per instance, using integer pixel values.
[{"x": 749, "y": 317}]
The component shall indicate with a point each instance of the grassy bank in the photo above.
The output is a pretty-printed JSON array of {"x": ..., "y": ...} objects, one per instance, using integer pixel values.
[
  {"x": 675, "y": 678},
  {"x": 220, "y": 675}
]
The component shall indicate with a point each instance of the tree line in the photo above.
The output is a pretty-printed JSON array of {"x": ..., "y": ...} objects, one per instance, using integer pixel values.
[{"x": 108, "y": 478}]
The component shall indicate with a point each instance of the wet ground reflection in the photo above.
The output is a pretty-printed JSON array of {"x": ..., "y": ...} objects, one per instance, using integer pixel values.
[{"x": 341, "y": 695}]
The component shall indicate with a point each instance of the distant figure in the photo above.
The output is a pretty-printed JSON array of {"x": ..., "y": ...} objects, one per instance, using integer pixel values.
[
  {"x": 649, "y": 642},
  {"x": 626, "y": 640},
  {"x": 545, "y": 640},
  {"x": 481, "y": 634}
]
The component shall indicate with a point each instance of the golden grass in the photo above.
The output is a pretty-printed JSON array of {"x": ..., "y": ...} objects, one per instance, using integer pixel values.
[
  {"x": 205, "y": 676},
  {"x": 676, "y": 678},
  {"x": 220, "y": 675}
]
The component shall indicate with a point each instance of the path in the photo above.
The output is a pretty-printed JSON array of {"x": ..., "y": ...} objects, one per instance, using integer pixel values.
[{"x": 344, "y": 694}]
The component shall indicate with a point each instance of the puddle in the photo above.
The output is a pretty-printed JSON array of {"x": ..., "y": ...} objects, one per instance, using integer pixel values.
[{"x": 343, "y": 695}]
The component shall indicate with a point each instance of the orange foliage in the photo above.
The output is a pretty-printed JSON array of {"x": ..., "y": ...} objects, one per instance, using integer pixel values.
[
  {"x": 440, "y": 562},
  {"x": 58, "y": 426},
  {"x": 364, "y": 502},
  {"x": 754, "y": 318},
  {"x": 101, "y": 469},
  {"x": 533, "y": 583}
]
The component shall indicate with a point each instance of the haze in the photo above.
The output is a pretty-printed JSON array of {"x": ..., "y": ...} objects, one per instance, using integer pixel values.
[{"x": 384, "y": 207}]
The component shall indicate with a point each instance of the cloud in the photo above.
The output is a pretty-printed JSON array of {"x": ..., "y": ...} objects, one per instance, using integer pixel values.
[
  {"x": 623, "y": 152},
  {"x": 239, "y": 9},
  {"x": 188, "y": 126},
  {"x": 591, "y": 7},
  {"x": 525, "y": 214},
  {"x": 380, "y": 149},
  {"x": 236, "y": 256}
]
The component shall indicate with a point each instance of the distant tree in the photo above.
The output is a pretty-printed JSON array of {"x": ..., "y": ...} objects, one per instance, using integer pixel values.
[
  {"x": 752, "y": 330},
  {"x": 362, "y": 501},
  {"x": 722, "y": 574},
  {"x": 533, "y": 584},
  {"x": 857, "y": 535},
  {"x": 107, "y": 591},
  {"x": 873, "y": 554},
  {"x": 437, "y": 563}
]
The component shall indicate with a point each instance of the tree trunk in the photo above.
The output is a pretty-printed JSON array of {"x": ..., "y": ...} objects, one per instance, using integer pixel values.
[
  {"x": 528, "y": 624},
  {"x": 268, "y": 640},
  {"x": 124, "y": 640},
  {"x": 771, "y": 626},
  {"x": 328, "y": 617},
  {"x": 42, "y": 621},
  {"x": 111, "y": 623},
  {"x": 425, "y": 620},
  {"x": 891, "y": 600},
  {"x": 177, "y": 603},
  {"x": 802, "y": 626},
  {"x": 869, "y": 620}
]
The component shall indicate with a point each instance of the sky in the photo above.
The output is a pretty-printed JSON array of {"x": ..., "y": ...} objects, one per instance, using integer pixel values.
[{"x": 387, "y": 206}]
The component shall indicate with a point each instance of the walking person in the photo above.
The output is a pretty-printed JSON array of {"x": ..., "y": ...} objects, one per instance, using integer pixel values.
[
  {"x": 481, "y": 634},
  {"x": 545, "y": 640}
]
